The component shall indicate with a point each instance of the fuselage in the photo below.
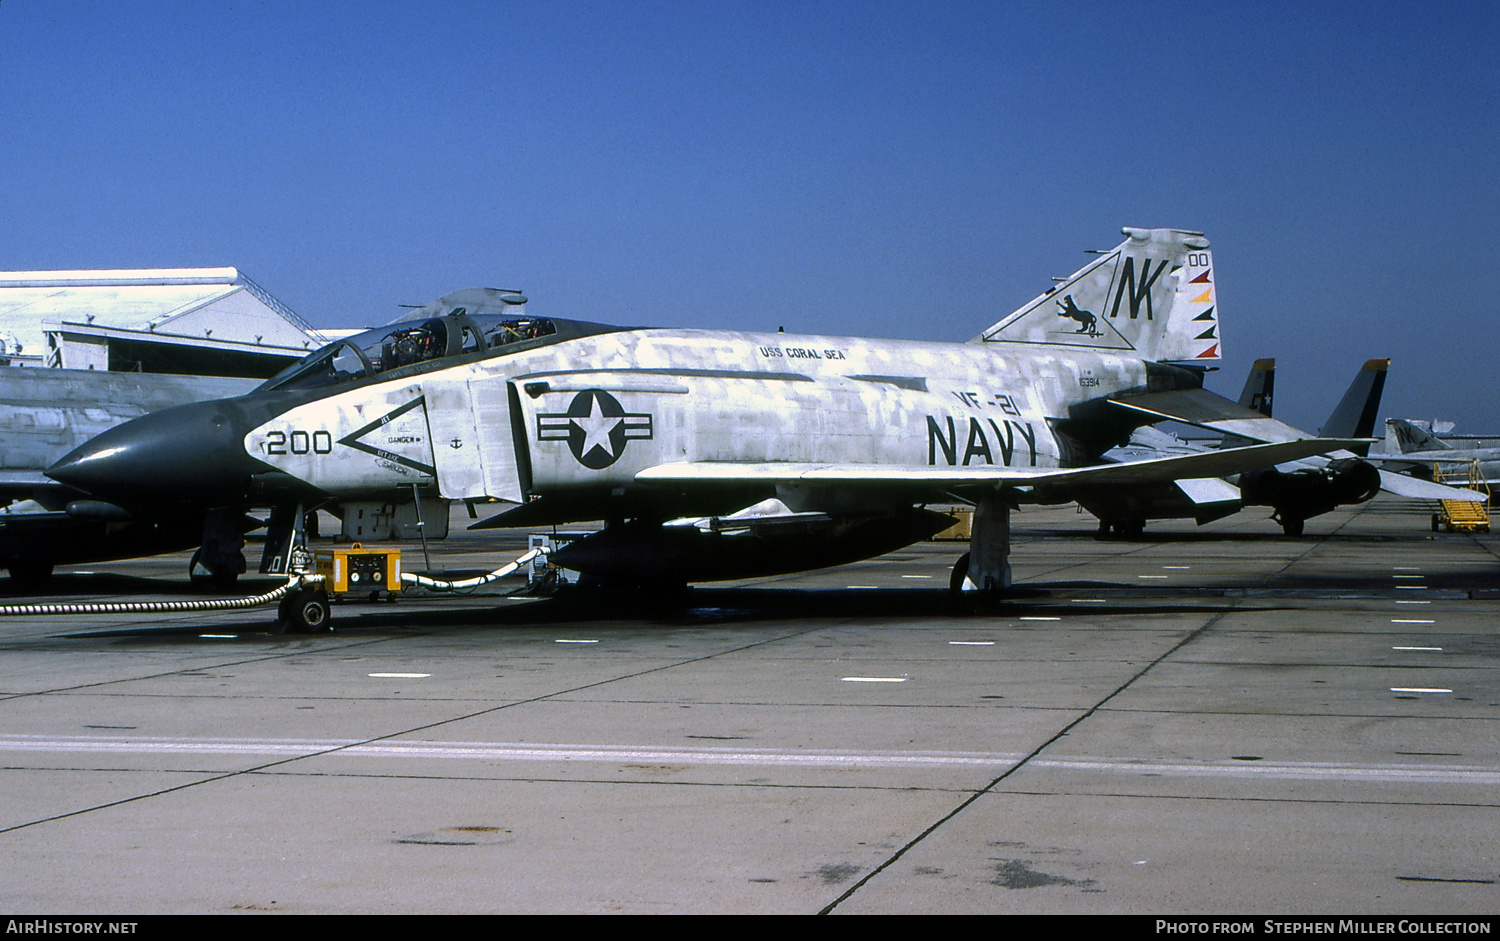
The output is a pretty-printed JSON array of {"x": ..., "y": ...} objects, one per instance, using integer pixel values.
[
  {"x": 588, "y": 414},
  {"x": 577, "y": 414}
]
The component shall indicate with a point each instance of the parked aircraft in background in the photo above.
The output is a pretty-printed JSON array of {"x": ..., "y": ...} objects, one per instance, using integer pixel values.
[
  {"x": 1420, "y": 450},
  {"x": 44, "y": 414},
  {"x": 712, "y": 454},
  {"x": 1296, "y": 490},
  {"x": 1126, "y": 513}
]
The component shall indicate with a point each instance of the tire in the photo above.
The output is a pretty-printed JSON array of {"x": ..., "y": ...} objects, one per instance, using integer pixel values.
[
  {"x": 1291, "y": 526},
  {"x": 205, "y": 579},
  {"x": 304, "y": 612},
  {"x": 29, "y": 577},
  {"x": 960, "y": 572}
]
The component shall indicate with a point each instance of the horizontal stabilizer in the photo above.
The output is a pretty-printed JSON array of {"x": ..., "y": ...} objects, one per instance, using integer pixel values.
[
  {"x": 1203, "y": 409},
  {"x": 1404, "y": 486}
]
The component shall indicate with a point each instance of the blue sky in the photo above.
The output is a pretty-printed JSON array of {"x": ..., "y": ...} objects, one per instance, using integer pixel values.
[{"x": 882, "y": 169}]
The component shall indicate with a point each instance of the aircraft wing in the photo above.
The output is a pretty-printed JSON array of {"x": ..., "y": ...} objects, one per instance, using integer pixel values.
[
  {"x": 15, "y": 481},
  {"x": 1203, "y": 409},
  {"x": 18, "y": 485},
  {"x": 1220, "y": 463},
  {"x": 27, "y": 496}
]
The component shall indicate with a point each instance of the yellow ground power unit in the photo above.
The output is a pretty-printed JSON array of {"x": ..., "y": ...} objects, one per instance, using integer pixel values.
[{"x": 356, "y": 569}]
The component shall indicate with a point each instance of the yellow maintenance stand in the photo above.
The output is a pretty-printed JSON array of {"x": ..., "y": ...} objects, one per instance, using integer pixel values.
[{"x": 1462, "y": 516}]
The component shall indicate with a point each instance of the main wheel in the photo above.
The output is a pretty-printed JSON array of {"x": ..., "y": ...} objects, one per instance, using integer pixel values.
[
  {"x": 960, "y": 572},
  {"x": 29, "y": 576},
  {"x": 1291, "y": 525},
  {"x": 207, "y": 579}
]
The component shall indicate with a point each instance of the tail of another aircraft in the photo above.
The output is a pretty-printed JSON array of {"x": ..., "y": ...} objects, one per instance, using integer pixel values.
[
  {"x": 1259, "y": 385},
  {"x": 1411, "y": 438},
  {"x": 1152, "y": 295},
  {"x": 1354, "y": 417}
]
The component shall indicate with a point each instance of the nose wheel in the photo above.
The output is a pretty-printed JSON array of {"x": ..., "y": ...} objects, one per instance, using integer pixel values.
[{"x": 303, "y": 611}]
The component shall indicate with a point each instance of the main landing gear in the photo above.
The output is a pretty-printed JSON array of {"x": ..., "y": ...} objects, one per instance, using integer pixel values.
[
  {"x": 1290, "y": 525},
  {"x": 220, "y": 561},
  {"x": 1126, "y": 529},
  {"x": 28, "y": 576},
  {"x": 983, "y": 573}
]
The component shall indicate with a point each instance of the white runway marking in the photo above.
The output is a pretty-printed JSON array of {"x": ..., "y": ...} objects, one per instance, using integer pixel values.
[
  {"x": 832, "y": 758},
  {"x": 401, "y": 676},
  {"x": 501, "y": 751},
  {"x": 874, "y": 679}
]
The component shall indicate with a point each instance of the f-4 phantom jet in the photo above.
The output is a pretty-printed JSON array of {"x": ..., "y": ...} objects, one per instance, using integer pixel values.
[
  {"x": 713, "y": 455},
  {"x": 1295, "y": 490},
  {"x": 1420, "y": 452}
]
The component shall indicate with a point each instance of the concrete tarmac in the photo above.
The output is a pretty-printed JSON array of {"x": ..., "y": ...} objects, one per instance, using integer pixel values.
[{"x": 1213, "y": 720}]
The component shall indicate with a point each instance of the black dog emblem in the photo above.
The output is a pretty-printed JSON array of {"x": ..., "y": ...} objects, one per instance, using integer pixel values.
[{"x": 1085, "y": 318}]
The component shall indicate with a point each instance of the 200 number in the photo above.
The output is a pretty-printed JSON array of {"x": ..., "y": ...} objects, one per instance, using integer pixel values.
[{"x": 299, "y": 442}]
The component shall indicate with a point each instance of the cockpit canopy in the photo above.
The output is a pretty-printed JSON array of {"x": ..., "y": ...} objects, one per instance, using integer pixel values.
[{"x": 416, "y": 343}]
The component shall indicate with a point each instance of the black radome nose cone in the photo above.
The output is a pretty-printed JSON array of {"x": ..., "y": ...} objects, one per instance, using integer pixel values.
[{"x": 188, "y": 454}]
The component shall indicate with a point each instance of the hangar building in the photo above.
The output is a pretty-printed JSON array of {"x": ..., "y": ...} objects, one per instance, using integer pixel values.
[{"x": 188, "y": 321}]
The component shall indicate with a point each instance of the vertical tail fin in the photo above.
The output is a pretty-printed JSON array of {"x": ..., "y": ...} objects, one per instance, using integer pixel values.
[
  {"x": 1259, "y": 386},
  {"x": 1411, "y": 438},
  {"x": 1152, "y": 295},
  {"x": 1354, "y": 416}
]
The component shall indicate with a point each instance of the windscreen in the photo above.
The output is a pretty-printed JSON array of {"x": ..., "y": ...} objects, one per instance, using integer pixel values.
[{"x": 419, "y": 343}]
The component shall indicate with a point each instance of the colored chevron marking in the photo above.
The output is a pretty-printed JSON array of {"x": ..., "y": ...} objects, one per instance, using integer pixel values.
[{"x": 1202, "y": 278}]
